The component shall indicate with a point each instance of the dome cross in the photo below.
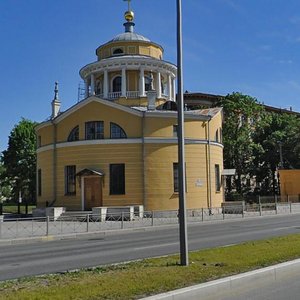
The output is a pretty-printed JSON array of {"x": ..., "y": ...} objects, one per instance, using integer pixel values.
[{"x": 129, "y": 1}]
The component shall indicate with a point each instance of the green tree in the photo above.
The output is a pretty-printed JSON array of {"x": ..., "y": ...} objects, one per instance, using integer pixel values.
[
  {"x": 278, "y": 132},
  {"x": 19, "y": 160},
  {"x": 241, "y": 114},
  {"x": 5, "y": 186}
]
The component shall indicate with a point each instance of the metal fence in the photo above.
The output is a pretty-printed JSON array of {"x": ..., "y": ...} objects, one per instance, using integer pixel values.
[{"x": 76, "y": 224}]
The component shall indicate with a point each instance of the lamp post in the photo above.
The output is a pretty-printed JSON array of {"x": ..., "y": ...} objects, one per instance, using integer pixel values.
[{"x": 184, "y": 260}]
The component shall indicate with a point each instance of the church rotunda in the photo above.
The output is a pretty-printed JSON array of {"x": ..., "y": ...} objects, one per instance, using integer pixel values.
[{"x": 125, "y": 65}]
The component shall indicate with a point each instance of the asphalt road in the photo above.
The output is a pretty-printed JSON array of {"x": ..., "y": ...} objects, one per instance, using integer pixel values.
[{"x": 58, "y": 256}]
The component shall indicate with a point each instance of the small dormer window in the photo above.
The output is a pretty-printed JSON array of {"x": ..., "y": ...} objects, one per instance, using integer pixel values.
[{"x": 118, "y": 51}]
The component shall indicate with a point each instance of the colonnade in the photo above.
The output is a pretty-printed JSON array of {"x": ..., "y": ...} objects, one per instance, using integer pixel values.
[{"x": 108, "y": 93}]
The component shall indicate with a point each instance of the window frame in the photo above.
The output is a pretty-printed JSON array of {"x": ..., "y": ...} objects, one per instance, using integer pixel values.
[
  {"x": 116, "y": 87},
  {"x": 39, "y": 182},
  {"x": 94, "y": 135},
  {"x": 117, "y": 181},
  {"x": 121, "y": 131},
  {"x": 70, "y": 180},
  {"x": 74, "y": 134},
  {"x": 217, "y": 178},
  {"x": 176, "y": 178},
  {"x": 175, "y": 130}
]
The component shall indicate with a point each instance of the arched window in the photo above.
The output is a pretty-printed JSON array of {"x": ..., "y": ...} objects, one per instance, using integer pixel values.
[
  {"x": 117, "y": 132},
  {"x": 74, "y": 134},
  {"x": 147, "y": 83},
  {"x": 99, "y": 87},
  {"x": 117, "y": 84},
  {"x": 118, "y": 51},
  {"x": 217, "y": 136}
]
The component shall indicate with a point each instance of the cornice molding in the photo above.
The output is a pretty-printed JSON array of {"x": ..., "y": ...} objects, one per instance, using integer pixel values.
[{"x": 147, "y": 140}]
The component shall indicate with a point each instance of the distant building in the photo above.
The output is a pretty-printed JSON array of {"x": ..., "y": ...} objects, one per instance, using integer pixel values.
[
  {"x": 196, "y": 100},
  {"x": 289, "y": 183},
  {"x": 118, "y": 146}
]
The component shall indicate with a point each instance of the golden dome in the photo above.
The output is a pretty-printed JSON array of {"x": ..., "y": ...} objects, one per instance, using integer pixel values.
[{"x": 129, "y": 15}]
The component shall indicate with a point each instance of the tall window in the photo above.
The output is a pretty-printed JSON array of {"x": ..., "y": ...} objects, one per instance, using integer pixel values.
[
  {"x": 117, "y": 132},
  {"x": 117, "y": 179},
  {"x": 218, "y": 179},
  {"x": 175, "y": 177},
  {"x": 217, "y": 136},
  {"x": 117, "y": 84},
  {"x": 39, "y": 182},
  {"x": 74, "y": 134},
  {"x": 70, "y": 180},
  {"x": 94, "y": 130},
  {"x": 175, "y": 130},
  {"x": 99, "y": 87},
  {"x": 147, "y": 83}
]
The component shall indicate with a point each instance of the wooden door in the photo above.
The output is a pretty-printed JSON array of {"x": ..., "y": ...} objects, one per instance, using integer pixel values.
[{"x": 92, "y": 192}]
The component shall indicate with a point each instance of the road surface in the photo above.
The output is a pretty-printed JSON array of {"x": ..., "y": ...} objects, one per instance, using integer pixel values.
[{"x": 58, "y": 256}]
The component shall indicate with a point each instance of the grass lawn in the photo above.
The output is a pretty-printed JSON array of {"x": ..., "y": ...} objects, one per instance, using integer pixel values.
[
  {"x": 152, "y": 276},
  {"x": 13, "y": 209}
]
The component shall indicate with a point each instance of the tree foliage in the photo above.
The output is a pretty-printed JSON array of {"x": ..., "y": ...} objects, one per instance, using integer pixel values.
[
  {"x": 277, "y": 132},
  {"x": 241, "y": 113},
  {"x": 19, "y": 160},
  {"x": 5, "y": 186}
]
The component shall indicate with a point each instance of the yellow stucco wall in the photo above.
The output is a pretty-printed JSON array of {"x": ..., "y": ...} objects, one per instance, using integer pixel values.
[
  {"x": 130, "y": 48},
  {"x": 45, "y": 164},
  {"x": 289, "y": 182},
  {"x": 152, "y": 187},
  {"x": 97, "y": 112},
  {"x": 160, "y": 193}
]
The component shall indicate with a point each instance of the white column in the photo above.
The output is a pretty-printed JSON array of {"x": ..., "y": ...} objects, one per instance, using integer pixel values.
[
  {"x": 123, "y": 82},
  {"x": 92, "y": 84},
  {"x": 158, "y": 85},
  {"x": 142, "y": 83},
  {"x": 86, "y": 88},
  {"x": 174, "y": 89},
  {"x": 169, "y": 87},
  {"x": 105, "y": 85}
]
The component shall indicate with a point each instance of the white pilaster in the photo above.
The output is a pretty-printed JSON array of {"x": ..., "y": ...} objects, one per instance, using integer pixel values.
[
  {"x": 105, "y": 85},
  {"x": 92, "y": 84},
  {"x": 123, "y": 82},
  {"x": 174, "y": 89},
  {"x": 169, "y": 87},
  {"x": 158, "y": 85},
  {"x": 142, "y": 83}
]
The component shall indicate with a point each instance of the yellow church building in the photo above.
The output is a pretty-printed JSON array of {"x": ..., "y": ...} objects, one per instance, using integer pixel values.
[{"x": 118, "y": 146}]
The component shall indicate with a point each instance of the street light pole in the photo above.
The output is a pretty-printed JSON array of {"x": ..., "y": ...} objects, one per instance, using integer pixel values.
[{"x": 184, "y": 260}]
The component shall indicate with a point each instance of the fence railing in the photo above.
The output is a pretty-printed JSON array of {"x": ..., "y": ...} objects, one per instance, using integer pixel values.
[{"x": 77, "y": 224}]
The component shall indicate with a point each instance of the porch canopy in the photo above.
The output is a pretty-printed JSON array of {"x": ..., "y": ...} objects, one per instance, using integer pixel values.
[{"x": 89, "y": 172}]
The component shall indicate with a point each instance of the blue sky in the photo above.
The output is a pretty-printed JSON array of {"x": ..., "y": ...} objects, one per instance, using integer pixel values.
[{"x": 249, "y": 46}]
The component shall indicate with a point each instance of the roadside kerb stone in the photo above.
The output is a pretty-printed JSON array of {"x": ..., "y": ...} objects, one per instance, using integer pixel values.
[{"x": 232, "y": 285}]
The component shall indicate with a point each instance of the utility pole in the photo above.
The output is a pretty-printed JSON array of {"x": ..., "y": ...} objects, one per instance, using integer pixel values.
[{"x": 184, "y": 259}]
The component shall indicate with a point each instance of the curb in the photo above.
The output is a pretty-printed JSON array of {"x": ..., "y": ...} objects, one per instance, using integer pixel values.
[{"x": 216, "y": 288}]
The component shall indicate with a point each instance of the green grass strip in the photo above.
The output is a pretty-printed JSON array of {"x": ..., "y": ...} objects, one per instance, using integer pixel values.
[{"x": 152, "y": 276}]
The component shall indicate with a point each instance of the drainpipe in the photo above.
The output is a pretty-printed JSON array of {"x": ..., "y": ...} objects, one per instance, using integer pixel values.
[
  {"x": 144, "y": 161},
  {"x": 209, "y": 164}
]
